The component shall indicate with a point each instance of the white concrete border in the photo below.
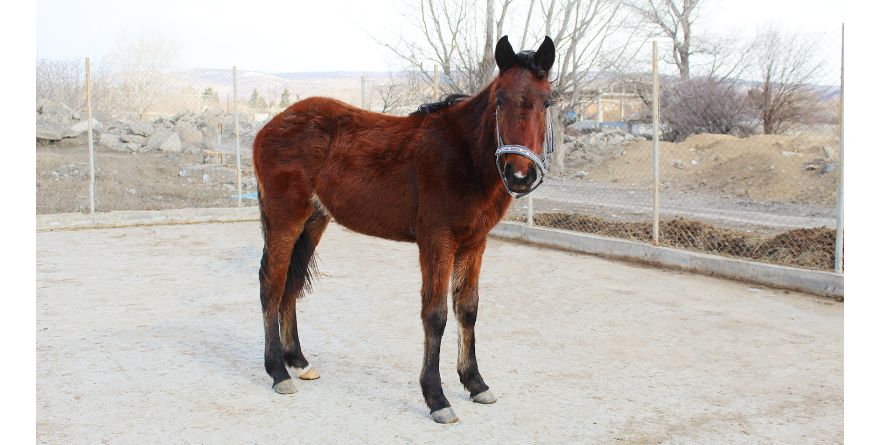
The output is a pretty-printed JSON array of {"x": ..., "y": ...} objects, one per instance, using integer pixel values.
[
  {"x": 822, "y": 283},
  {"x": 71, "y": 221}
]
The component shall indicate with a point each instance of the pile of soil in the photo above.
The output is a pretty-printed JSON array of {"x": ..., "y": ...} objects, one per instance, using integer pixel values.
[
  {"x": 767, "y": 168},
  {"x": 809, "y": 248}
]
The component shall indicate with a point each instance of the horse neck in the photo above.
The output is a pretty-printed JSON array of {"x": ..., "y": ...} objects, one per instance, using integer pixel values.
[{"x": 475, "y": 119}]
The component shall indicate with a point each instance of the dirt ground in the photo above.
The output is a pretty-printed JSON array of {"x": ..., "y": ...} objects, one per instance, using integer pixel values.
[
  {"x": 140, "y": 181},
  {"x": 764, "y": 168},
  {"x": 153, "y": 334}
]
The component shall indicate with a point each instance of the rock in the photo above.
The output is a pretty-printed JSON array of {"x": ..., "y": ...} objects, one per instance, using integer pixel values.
[
  {"x": 134, "y": 138},
  {"x": 678, "y": 164},
  {"x": 132, "y": 146},
  {"x": 50, "y": 129},
  {"x": 141, "y": 128},
  {"x": 206, "y": 179},
  {"x": 828, "y": 153},
  {"x": 171, "y": 144},
  {"x": 82, "y": 127},
  {"x": 581, "y": 174},
  {"x": 79, "y": 141},
  {"x": 188, "y": 132},
  {"x": 164, "y": 140},
  {"x": 111, "y": 141}
]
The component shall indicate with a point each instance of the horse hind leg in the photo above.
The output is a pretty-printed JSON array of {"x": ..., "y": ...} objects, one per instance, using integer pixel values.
[
  {"x": 281, "y": 234},
  {"x": 298, "y": 282}
]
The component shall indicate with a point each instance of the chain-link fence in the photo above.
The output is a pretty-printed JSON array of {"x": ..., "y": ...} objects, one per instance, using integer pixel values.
[{"x": 748, "y": 162}]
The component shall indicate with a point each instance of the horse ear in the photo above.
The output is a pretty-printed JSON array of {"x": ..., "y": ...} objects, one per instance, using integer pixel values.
[
  {"x": 544, "y": 56},
  {"x": 504, "y": 54}
]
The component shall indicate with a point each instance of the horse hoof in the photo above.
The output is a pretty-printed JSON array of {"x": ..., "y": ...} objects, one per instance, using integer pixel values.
[
  {"x": 308, "y": 373},
  {"x": 485, "y": 397},
  {"x": 444, "y": 415},
  {"x": 285, "y": 387}
]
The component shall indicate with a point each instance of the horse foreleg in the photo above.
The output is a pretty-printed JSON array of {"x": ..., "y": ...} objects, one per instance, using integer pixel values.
[
  {"x": 465, "y": 297},
  {"x": 436, "y": 255}
]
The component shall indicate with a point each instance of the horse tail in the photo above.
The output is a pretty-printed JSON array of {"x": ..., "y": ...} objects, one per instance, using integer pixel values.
[{"x": 302, "y": 264}]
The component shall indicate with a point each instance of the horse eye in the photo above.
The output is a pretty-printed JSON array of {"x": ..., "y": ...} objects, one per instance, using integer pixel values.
[
  {"x": 548, "y": 103},
  {"x": 498, "y": 102}
]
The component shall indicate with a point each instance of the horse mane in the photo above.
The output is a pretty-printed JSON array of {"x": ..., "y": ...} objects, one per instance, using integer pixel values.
[{"x": 447, "y": 101}]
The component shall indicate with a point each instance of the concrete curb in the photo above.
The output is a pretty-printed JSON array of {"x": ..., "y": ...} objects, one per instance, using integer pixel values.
[
  {"x": 827, "y": 284},
  {"x": 73, "y": 221},
  {"x": 822, "y": 283}
]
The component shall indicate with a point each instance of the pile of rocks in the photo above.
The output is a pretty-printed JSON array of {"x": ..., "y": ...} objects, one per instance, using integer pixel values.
[
  {"x": 588, "y": 149},
  {"x": 59, "y": 125}
]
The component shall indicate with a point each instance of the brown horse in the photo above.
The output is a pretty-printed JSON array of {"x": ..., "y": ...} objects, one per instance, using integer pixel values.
[{"x": 441, "y": 177}]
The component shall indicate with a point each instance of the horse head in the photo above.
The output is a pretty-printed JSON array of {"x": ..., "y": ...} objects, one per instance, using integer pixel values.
[{"x": 522, "y": 95}]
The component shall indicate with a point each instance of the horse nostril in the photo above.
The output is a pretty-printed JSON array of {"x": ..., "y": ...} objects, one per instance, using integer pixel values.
[{"x": 530, "y": 177}]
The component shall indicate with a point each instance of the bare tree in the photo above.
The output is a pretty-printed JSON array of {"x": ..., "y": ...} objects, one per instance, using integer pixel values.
[
  {"x": 450, "y": 38},
  {"x": 788, "y": 65},
  {"x": 62, "y": 81},
  {"x": 400, "y": 93},
  {"x": 674, "y": 19},
  {"x": 139, "y": 67},
  {"x": 592, "y": 37}
]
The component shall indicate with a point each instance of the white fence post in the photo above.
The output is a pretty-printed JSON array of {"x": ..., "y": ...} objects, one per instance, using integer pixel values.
[
  {"x": 838, "y": 245},
  {"x": 363, "y": 91},
  {"x": 655, "y": 127},
  {"x": 237, "y": 141},
  {"x": 90, "y": 141},
  {"x": 529, "y": 211}
]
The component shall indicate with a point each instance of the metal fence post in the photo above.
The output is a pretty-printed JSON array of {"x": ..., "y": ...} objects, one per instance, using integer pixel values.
[
  {"x": 363, "y": 91},
  {"x": 655, "y": 126},
  {"x": 237, "y": 140},
  {"x": 599, "y": 109},
  {"x": 838, "y": 245},
  {"x": 436, "y": 84},
  {"x": 529, "y": 211},
  {"x": 90, "y": 141}
]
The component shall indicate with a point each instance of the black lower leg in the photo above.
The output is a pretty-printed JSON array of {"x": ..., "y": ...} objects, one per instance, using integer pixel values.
[
  {"x": 431, "y": 387},
  {"x": 274, "y": 364},
  {"x": 468, "y": 372},
  {"x": 293, "y": 355}
]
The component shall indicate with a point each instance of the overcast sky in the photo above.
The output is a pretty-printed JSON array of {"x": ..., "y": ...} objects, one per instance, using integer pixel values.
[{"x": 297, "y": 36}]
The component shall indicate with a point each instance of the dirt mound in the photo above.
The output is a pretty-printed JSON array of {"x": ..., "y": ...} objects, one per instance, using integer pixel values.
[
  {"x": 767, "y": 168},
  {"x": 810, "y": 248}
]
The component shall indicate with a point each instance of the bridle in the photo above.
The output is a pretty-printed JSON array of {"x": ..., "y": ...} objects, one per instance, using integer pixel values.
[{"x": 540, "y": 164}]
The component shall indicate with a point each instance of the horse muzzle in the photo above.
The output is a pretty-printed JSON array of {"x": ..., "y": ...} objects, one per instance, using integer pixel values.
[{"x": 517, "y": 184}]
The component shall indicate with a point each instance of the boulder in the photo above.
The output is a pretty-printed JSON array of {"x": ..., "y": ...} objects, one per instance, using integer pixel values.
[
  {"x": 50, "y": 129},
  {"x": 134, "y": 138},
  {"x": 82, "y": 127},
  {"x": 54, "y": 120},
  {"x": 172, "y": 144},
  {"x": 141, "y": 128},
  {"x": 188, "y": 132},
  {"x": 111, "y": 141},
  {"x": 160, "y": 137},
  {"x": 79, "y": 141}
]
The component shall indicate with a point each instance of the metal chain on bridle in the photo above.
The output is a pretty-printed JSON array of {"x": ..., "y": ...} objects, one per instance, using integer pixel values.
[{"x": 540, "y": 164}]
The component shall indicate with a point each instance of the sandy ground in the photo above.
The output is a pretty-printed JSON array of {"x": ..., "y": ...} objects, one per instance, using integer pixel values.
[{"x": 153, "y": 335}]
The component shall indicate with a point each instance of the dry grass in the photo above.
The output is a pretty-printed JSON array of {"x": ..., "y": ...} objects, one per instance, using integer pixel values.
[{"x": 809, "y": 248}]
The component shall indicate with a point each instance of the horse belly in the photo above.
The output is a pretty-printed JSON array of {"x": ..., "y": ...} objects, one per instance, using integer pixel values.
[{"x": 383, "y": 209}]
